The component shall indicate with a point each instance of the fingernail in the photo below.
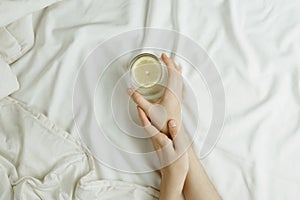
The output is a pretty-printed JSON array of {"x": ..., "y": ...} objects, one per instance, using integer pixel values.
[
  {"x": 164, "y": 55},
  {"x": 172, "y": 123},
  {"x": 130, "y": 91}
]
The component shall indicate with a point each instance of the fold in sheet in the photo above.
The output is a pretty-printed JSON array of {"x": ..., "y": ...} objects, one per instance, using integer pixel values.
[
  {"x": 8, "y": 81},
  {"x": 38, "y": 160},
  {"x": 16, "y": 37},
  {"x": 12, "y": 10},
  {"x": 255, "y": 45}
]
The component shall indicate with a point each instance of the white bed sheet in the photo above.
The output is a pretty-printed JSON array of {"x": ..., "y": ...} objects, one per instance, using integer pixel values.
[
  {"x": 39, "y": 160},
  {"x": 255, "y": 45}
]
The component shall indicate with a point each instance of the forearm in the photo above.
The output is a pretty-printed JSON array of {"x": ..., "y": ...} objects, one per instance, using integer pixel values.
[
  {"x": 170, "y": 190},
  {"x": 197, "y": 184}
]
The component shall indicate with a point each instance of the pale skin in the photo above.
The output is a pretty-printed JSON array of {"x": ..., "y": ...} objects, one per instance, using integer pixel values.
[{"x": 162, "y": 121}]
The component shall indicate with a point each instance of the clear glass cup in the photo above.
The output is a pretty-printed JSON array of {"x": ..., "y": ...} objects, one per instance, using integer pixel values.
[{"x": 148, "y": 76}]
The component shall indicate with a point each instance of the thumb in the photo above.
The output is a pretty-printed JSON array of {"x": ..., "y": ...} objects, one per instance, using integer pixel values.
[
  {"x": 179, "y": 139},
  {"x": 173, "y": 128}
]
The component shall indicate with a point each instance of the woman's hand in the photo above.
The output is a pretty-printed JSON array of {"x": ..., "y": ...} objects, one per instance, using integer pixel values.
[
  {"x": 169, "y": 106},
  {"x": 172, "y": 156},
  {"x": 186, "y": 173}
]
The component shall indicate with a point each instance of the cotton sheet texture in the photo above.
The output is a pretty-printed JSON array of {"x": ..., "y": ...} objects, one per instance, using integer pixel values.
[
  {"x": 63, "y": 170},
  {"x": 255, "y": 45},
  {"x": 16, "y": 37}
]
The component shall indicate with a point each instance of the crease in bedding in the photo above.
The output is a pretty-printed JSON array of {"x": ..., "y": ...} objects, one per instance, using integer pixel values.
[
  {"x": 16, "y": 37},
  {"x": 38, "y": 160},
  {"x": 255, "y": 45}
]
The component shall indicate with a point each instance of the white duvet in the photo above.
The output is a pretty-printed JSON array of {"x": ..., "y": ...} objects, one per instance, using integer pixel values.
[{"x": 255, "y": 45}]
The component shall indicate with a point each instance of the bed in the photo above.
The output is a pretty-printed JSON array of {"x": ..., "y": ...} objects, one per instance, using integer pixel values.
[{"x": 255, "y": 48}]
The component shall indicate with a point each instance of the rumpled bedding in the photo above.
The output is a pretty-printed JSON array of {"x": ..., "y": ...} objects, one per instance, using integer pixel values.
[
  {"x": 16, "y": 37},
  {"x": 38, "y": 160},
  {"x": 255, "y": 45}
]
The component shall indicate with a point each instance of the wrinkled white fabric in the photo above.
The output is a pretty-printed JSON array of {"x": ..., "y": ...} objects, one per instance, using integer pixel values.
[
  {"x": 12, "y": 10},
  {"x": 38, "y": 160},
  {"x": 16, "y": 37},
  {"x": 255, "y": 45},
  {"x": 8, "y": 80}
]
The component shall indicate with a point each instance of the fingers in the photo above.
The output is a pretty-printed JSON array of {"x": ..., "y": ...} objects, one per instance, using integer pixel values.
[
  {"x": 164, "y": 147},
  {"x": 173, "y": 128},
  {"x": 159, "y": 139},
  {"x": 167, "y": 61},
  {"x": 151, "y": 130},
  {"x": 179, "y": 138},
  {"x": 139, "y": 99},
  {"x": 143, "y": 117},
  {"x": 159, "y": 115},
  {"x": 175, "y": 80},
  {"x": 170, "y": 63}
]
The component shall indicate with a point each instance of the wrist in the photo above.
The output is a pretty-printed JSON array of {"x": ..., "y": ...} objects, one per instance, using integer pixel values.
[
  {"x": 193, "y": 161},
  {"x": 171, "y": 188},
  {"x": 174, "y": 177}
]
